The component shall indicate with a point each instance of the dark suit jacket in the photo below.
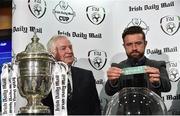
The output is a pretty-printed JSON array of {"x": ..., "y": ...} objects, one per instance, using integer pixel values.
[
  {"x": 85, "y": 98},
  {"x": 140, "y": 80}
]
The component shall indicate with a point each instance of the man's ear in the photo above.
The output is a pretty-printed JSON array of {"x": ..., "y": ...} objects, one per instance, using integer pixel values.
[{"x": 145, "y": 43}]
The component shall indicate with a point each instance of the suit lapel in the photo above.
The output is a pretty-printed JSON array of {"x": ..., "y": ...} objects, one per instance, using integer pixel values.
[
  {"x": 75, "y": 79},
  {"x": 148, "y": 62}
]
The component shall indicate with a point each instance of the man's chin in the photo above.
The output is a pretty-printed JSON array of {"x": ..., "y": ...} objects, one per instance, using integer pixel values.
[
  {"x": 135, "y": 57},
  {"x": 69, "y": 61}
]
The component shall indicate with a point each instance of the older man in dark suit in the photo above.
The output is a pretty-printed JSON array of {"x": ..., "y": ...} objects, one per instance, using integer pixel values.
[{"x": 82, "y": 94}]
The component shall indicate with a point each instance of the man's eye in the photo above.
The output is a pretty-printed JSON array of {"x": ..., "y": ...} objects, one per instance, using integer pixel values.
[
  {"x": 128, "y": 44},
  {"x": 70, "y": 47},
  {"x": 62, "y": 48},
  {"x": 138, "y": 43}
]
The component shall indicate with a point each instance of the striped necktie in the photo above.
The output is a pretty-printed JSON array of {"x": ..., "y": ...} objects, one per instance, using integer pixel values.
[{"x": 69, "y": 86}]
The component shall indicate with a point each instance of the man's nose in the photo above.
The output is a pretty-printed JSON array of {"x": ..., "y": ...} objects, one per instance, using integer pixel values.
[
  {"x": 134, "y": 46},
  {"x": 69, "y": 50}
]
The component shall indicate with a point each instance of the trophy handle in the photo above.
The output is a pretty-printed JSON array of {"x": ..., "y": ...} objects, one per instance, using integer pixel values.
[{"x": 59, "y": 87}]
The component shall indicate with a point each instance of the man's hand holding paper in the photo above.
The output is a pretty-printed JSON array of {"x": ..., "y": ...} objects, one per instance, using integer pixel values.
[
  {"x": 153, "y": 74},
  {"x": 114, "y": 73}
]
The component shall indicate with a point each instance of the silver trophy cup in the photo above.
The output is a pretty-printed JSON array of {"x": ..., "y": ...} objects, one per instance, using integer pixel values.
[{"x": 35, "y": 77}]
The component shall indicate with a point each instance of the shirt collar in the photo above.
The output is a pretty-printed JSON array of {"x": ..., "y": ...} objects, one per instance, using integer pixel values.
[{"x": 140, "y": 62}]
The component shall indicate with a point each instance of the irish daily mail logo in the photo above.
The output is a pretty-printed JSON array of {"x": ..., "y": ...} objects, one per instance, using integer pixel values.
[
  {"x": 37, "y": 7},
  {"x": 139, "y": 22},
  {"x": 97, "y": 59},
  {"x": 63, "y": 12},
  {"x": 170, "y": 24},
  {"x": 95, "y": 14}
]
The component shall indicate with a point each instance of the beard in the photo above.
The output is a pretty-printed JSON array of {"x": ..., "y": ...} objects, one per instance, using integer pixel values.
[{"x": 135, "y": 55}]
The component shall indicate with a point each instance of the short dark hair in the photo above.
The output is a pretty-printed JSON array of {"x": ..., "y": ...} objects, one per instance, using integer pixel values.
[{"x": 133, "y": 30}]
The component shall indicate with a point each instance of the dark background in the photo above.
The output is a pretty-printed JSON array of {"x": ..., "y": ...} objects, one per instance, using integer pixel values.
[{"x": 5, "y": 32}]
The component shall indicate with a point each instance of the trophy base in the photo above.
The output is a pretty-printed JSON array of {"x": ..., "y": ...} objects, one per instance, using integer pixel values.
[{"x": 37, "y": 110}]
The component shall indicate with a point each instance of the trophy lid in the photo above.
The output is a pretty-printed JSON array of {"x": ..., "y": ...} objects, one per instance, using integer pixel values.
[
  {"x": 34, "y": 50},
  {"x": 35, "y": 46}
]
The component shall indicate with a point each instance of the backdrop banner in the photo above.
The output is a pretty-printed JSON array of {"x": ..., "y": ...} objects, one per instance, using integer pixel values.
[{"x": 95, "y": 26}]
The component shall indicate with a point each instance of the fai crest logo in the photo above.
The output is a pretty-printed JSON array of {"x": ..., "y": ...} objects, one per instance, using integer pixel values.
[
  {"x": 174, "y": 74},
  {"x": 170, "y": 24},
  {"x": 13, "y": 7},
  {"x": 97, "y": 59},
  {"x": 37, "y": 7},
  {"x": 139, "y": 22},
  {"x": 95, "y": 14},
  {"x": 63, "y": 12},
  {"x": 173, "y": 71}
]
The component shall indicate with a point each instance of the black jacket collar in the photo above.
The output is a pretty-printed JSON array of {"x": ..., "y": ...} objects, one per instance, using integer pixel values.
[{"x": 140, "y": 62}]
